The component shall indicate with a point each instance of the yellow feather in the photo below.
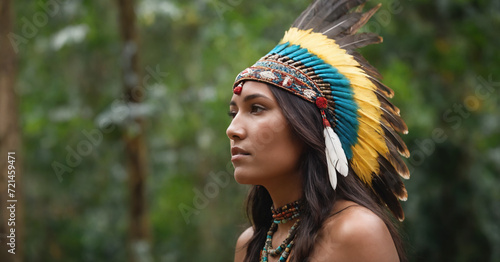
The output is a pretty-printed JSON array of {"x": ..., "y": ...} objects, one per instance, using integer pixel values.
[{"x": 364, "y": 162}]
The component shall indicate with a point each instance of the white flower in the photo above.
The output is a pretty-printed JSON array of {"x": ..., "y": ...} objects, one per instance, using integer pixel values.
[
  {"x": 309, "y": 93},
  {"x": 268, "y": 75},
  {"x": 288, "y": 81}
]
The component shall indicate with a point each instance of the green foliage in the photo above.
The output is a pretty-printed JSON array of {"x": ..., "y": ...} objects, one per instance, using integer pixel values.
[{"x": 440, "y": 57}]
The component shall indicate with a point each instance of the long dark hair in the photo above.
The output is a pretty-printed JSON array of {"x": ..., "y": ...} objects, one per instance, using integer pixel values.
[{"x": 306, "y": 124}]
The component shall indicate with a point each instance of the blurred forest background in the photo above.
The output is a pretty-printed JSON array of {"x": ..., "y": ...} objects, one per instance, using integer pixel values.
[{"x": 117, "y": 113}]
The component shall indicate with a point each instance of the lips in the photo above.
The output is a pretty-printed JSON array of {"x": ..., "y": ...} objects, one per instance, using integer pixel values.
[{"x": 235, "y": 151}]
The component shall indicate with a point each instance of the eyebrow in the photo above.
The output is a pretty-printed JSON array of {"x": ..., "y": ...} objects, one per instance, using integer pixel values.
[{"x": 250, "y": 97}]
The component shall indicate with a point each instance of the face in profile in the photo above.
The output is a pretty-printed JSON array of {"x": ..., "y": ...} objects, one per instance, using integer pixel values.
[{"x": 263, "y": 149}]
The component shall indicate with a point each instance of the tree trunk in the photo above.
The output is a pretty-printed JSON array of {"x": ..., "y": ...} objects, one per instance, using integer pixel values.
[
  {"x": 11, "y": 222},
  {"x": 134, "y": 136}
]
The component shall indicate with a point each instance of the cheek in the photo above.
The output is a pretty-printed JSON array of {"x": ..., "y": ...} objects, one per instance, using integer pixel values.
[
  {"x": 285, "y": 155},
  {"x": 279, "y": 152}
]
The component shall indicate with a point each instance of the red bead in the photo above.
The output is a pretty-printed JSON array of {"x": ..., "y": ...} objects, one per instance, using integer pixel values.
[
  {"x": 321, "y": 102},
  {"x": 237, "y": 89},
  {"x": 326, "y": 122}
]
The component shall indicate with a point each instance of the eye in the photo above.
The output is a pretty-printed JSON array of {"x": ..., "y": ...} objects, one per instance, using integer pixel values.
[
  {"x": 257, "y": 108},
  {"x": 231, "y": 113}
]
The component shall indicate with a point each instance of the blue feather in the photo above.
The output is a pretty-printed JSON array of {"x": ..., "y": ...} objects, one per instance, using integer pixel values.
[
  {"x": 346, "y": 141},
  {"x": 307, "y": 60},
  {"x": 340, "y": 82},
  {"x": 314, "y": 62},
  {"x": 278, "y": 48},
  {"x": 352, "y": 121},
  {"x": 346, "y": 104},
  {"x": 289, "y": 50},
  {"x": 330, "y": 75},
  {"x": 343, "y": 111},
  {"x": 345, "y": 95},
  {"x": 347, "y": 120},
  {"x": 343, "y": 89},
  {"x": 323, "y": 66},
  {"x": 303, "y": 56},
  {"x": 325, "y": 71},
  {"x": 348, "y": 132},
  {"x": 297, "y": 53}
]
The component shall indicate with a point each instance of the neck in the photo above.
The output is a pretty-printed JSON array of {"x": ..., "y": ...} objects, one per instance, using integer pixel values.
[{"x": 282, "y": 193}]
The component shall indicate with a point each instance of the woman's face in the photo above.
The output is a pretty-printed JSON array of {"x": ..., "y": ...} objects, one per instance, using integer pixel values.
[{"x": 263, "y": 149}]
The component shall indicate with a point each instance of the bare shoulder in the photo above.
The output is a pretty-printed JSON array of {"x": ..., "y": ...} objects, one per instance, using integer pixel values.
[
  {"x": 241, "y": 249},
  {"x": 354, "y": 234}
]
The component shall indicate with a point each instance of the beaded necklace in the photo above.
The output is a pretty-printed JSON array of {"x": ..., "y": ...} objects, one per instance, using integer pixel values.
[
  {"x": 282, "y": 215},
  {"x": 286, "y": 213}
]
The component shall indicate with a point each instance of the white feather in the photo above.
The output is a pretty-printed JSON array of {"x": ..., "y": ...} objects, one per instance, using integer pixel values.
[
  {"x": 335, "y": 156},
  {"x": 332, "y": 174}
]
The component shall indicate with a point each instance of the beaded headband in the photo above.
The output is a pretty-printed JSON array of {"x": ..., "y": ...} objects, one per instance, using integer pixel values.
[{"x": 316, "y": 60}]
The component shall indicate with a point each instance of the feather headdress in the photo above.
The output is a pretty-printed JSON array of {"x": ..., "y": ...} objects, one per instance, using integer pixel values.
[{"x": 316, "y": 60}]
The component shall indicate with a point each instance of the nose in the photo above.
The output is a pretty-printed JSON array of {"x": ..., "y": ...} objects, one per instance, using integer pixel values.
[{"x": 236, "y": 130}]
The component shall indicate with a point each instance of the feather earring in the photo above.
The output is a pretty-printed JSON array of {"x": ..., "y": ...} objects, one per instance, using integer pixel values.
[{"x": 335, "y": 156}]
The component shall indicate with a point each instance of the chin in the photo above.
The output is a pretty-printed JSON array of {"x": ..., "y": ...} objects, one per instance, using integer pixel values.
[{"x": 244, "y": 178}]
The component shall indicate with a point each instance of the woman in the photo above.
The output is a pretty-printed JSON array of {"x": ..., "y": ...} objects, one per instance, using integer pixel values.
[{"x": 313, "y": 131}]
